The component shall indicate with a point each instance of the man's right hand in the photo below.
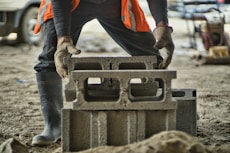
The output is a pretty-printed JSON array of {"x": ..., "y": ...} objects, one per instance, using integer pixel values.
[{"x": 65, "y": 49}]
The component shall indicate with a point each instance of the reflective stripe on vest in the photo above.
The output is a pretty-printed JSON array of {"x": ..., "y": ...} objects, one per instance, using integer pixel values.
[
  {"x": 45, "y": 13},
  {"x": 133, "y": 17},
  {"x": 42, "y": 12}
]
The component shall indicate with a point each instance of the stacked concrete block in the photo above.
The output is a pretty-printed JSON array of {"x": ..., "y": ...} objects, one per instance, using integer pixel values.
[
  {"x": 106, "y": 63},
  {"x": 124, "y": 100},
  {"x": 88, "y": 129},
  {"x": 120, "y": 100}
]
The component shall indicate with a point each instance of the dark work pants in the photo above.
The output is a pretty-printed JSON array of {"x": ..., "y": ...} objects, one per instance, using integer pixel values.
[{"x": 109, "y": 16}]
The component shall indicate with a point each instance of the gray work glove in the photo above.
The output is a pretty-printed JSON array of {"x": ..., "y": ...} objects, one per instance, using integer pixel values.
[
  {"x": 163, "y": 38},
  {"x": 65, "y": 49}
]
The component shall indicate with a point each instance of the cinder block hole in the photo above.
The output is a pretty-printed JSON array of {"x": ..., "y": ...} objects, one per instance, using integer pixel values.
[
  {"x": 194, "y": 93},
  {"x": 146, "y": 89},
  {"x": 94, "y": 80},
  {"x": 178, "y": 93},
  {"x": 87, "y": 66},
  {"x": 181, "y": 93},
  {"x": 124, "y": 66},
  {"x": 102, "y": 89}
]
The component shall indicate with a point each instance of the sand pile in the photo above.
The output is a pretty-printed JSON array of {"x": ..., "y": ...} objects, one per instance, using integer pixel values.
[{"x": 164, "y": 142}]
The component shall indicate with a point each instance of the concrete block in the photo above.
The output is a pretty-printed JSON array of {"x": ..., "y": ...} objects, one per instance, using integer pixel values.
[
  {"x": 112, "y": 63},
  {"x": 123, "y": 95},
  {"x": 186, "y": 114},
  {"x": 105, "y": 63},
  {"x": 88, "y": 129}
]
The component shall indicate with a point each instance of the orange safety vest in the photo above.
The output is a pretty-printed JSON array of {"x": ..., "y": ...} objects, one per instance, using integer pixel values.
[{"x": 132, "y": 15}]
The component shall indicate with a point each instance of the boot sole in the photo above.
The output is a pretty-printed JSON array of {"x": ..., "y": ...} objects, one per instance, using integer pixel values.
[{"x": 44, "y": 143}]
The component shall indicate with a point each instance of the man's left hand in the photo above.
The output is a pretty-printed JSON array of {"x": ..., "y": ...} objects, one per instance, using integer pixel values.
[{"x": 163, "y": 38}]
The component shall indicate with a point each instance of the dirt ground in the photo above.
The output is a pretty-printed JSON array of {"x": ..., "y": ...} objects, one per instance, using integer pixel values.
[{"x": 20, "y": 115}]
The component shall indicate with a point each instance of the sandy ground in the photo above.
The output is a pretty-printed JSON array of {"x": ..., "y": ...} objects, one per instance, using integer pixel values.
[{"x": 20, "y": 115}]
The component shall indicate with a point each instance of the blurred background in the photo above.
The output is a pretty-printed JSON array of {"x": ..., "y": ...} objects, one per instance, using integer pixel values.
[{"x": 202, "y": 23}]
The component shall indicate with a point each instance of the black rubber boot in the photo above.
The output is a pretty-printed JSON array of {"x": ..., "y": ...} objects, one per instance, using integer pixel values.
[{"x": 51, "y": 99}]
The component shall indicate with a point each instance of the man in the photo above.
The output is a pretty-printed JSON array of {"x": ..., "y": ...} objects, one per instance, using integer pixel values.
[{"x": 123, "y": 20}]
